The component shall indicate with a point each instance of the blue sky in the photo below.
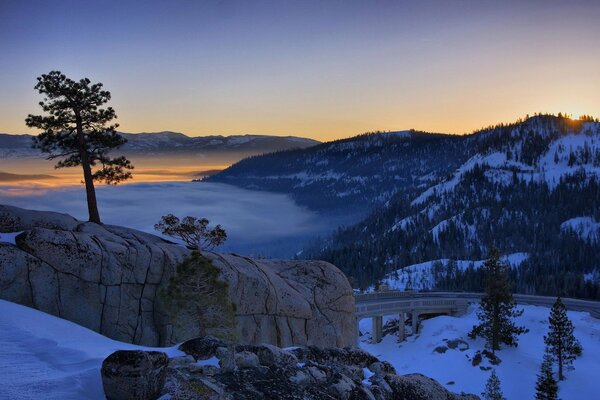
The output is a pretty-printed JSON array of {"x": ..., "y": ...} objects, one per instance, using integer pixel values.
[{"x": 323, "y": 69}]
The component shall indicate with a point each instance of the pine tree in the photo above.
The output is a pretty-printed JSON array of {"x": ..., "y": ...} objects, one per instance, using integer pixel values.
[
  {"x": 546, "y": 387},
  {"x": 493, "y": 391},
  {"x": 75, "y": 130},
  {"x": 497, "y": 307},
  {"x": 194, "y": 232},
  {"x": 561, "y": 342}
]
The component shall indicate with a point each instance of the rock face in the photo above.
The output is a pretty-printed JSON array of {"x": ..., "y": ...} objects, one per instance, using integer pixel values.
[
  {"x": 108, "y": 278},
  {"x": 304, "y": 373},
  {"x": 134, "y": 374}
]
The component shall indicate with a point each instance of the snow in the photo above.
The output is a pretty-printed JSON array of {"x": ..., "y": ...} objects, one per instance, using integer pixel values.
[
  {"x": 213, "y": 361},
  {"x": 593, "y": 277},
  {"x": 469, "y": 229},
  {"x": 237, "y": 140},
  {"x": 397, "y": 134},
  {"x": 450, "y": 184},
  {"x": 45, "y": 357},
  {"x": 552, "y": 171},
  {"x": 421, "y": 275},
  {"x": 367, "y": 373},
  {"x": 42, "y": 356},
  {"x": 546, "y": 169},
  {"x": 586, "y": 227},
  {"x": 9, "y": 237},
  {"x": 519, "y": 366},
  {"x": 402, "y": 224}
]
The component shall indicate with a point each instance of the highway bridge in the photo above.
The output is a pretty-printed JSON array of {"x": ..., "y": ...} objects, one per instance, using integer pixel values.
[{"x": 413, "y": 305}]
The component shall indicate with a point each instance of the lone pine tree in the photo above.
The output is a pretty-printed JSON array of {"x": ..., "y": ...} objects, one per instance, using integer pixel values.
[
  {"x": 194, "y": 232},
  {"x": 77, "y": 131},
  {"x": 562, "y": 344},
  {"x": 546, "y": 387},
  {"x": 497, "y": 307},
  {"x": 493, "y": 391}
]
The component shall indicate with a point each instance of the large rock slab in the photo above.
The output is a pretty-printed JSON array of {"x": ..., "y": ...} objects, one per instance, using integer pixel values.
[{"x": 109, "y": 279}]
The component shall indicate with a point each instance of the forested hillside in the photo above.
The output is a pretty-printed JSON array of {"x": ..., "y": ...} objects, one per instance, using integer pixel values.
[
  {"x": 532, "y": 188},
  {"x": 353, "y": 175}
]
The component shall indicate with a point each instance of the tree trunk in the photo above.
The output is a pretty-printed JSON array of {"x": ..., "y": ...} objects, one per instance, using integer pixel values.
[
  {"x": 94, "y": 215},
  {"x": 495, "y": 333},
  {"x": 560, "y": 365}
]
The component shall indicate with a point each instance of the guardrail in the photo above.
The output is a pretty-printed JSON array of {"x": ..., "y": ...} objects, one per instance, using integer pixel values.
[{"x": 363, "y": 300}]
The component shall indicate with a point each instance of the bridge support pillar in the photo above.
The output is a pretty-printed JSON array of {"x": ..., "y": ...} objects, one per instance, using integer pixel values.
[
  {"x": 357, "y": 338},
  {"x": 415, "y": 322},
  {"x": 401, "y": 333},
  {"x": 377, "y": 328}
]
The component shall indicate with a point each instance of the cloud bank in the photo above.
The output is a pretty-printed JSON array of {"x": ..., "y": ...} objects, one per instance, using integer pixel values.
[{"x": 257, "y": 223}]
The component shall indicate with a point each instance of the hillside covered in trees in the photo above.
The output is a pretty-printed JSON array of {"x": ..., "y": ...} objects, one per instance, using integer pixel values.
[{"x": 532, "y": 188}]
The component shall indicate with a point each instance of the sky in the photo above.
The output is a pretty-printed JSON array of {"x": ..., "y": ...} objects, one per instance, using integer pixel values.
[{"x": 319, "y": 69}]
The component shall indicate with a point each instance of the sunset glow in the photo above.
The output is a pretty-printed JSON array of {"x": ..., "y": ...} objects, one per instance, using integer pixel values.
[{"x": 316, "y": 69}]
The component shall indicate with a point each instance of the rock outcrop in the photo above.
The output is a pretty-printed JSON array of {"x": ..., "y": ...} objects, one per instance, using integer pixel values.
[
  {"x": 302, "y": 373},
  {"x": 109, "y": 279},
  {"x": 134, "y": 374}
]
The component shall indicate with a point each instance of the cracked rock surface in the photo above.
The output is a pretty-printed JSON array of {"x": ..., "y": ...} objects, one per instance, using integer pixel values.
[
  {"x": 303, "y": 373},
  {"x": 107, "y": 278}
]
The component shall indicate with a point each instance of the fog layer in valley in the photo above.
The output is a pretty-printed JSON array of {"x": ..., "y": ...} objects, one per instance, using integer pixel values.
[{"x": 257, "y": 223}]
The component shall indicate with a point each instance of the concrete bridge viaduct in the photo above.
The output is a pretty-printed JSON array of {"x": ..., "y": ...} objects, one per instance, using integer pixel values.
[{"x": 415, "y": 304}]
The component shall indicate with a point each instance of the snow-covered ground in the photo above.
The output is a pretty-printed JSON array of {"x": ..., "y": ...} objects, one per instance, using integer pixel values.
[
  {"x": 421, "y": 276},
  {"x": 44, "y": 357},
  {"x": 9, "y": 237},
  {"x": 518, "y": 368},
  {"x": 586, "y": 227}
]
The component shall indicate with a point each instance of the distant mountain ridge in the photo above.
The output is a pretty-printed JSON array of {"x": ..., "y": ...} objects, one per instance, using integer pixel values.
[
  {"x": 14, "y": 146},
  {"x": 351, "y": 175}
]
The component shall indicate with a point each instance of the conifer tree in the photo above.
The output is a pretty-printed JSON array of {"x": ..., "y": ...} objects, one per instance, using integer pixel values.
[
  {"x": 561, "y": 342},
  {"x": 194, "y": 232},
  {"x": 497, "y": 307},
  {"x": 76, "y": 131},
  {"x": 546, "y": 387},
  {"x": 493, "y": 391}
]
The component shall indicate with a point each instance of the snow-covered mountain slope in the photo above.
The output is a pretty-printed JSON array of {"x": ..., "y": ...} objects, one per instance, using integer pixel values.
[
  {"x": 351, "y": 175},
  {"x": 586, "y": 227},
  {"x": 45, "y": 357},
  {"x": 425, "y": 275},
  {"x": 524, "y": 190},
  {"x": 571, "y": 152},
  {"x": 172, "y": 142},
  {"x": 518, "y": 369}
]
